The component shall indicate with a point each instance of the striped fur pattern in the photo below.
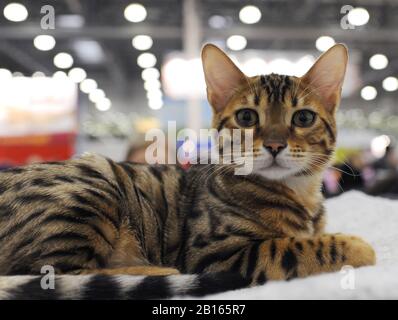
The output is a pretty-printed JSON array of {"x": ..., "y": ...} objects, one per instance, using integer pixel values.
[
  {"x": 112, "y": 230},
  {"x": 117, "y": 287}
]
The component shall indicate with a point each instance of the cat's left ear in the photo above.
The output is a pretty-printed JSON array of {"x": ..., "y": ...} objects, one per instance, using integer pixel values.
[{"x": 326, "y": 76}]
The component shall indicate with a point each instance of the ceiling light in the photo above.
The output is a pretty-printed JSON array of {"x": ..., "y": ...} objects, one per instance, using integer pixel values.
[
  {"x": 390, "y": 84},
  {"x": 38, "y": 74},
  {"x": 15, "y": 12},
  {"x": 358, "y": 16},
  {"x": 155, "y": 104},
  {"x": 250, "y": 14},
  {"x": 154, "y": 94},
  {"x": 323, "y": 43},
  {"x": 217, "y": 22},
  {"x": 44, "y": 42},
  {"x": 183, "y": 78},
  {"x": 103, "y": 104},
  {"x": 88, "y": 85},
  {"x": 236, "y": 42},
  {"x": 368, "y": 93},
  {"x": 146, "y": 60},
  {"x": 150, "y": 73},
  {"x": 378, "y": 61},
  {"x": 77, "y": 75},
  {"x": 63, "y": 60},
  {"x": 60, "y": 75},
  {"x": 379, "y": 144},
  {"x": 135, "y": 12},
  {"x": 96, "y": 95},
  {"x": 5, "y": 74},
  {"x": 152, "y": 84},
  {"x": 17, "y": 74},
  {"x": 142, "y": 42}
]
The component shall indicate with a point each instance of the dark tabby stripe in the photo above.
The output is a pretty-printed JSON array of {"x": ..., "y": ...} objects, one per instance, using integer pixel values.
[
  {"x": 65, "y": 236},
  {"x": 329, "y": 130},
  {"x": 3, "y": 188},
  {"x": 261, "y": 278},
  {"x": 333, "y": 251},
  {"x": 27, "y": 199},
  {"x": 214, "y": 257},
  {"x": 299, "y": 246},
  {"x": 119, "y": 179},
  {"x": 289, "y": 261},
  {"x": 222, "y": 123},
  {"x": 65, "y": 179},
  {"x": 101, "y": 287},
  {"x": 21, "y": 224},
  {"x": 319, "y": 254},
  {"x": 41, "y": 182},
  {"x": 93, "y": 210},
  {"x": 101, "y": 196},
  {"x": 144, "y": 290},
  {"x": 6, "y": 211},
  {"x": 73, "y": 251},
  {"x": 252, "y": 259},
  {"x": 273, "y": 249}
]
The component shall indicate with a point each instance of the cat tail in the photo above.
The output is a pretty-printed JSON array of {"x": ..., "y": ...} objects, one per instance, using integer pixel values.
[{"x": 120, "y": 287}]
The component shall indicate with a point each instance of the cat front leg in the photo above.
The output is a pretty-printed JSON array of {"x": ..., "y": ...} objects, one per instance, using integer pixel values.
[{"x": 288, "y": 258}]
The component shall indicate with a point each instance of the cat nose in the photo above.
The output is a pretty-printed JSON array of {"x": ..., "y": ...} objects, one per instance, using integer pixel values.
[{"x": 275, "y": 147}]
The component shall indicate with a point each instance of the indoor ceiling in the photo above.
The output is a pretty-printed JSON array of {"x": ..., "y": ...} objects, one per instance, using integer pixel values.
[{"x": 99, "y": 26}]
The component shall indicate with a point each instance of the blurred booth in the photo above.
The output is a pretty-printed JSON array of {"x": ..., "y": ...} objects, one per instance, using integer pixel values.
[{"x": 38, "y": 120}]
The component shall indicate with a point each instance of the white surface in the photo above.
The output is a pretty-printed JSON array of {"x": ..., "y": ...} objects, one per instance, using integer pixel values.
[{"x": 375, "y": 220}]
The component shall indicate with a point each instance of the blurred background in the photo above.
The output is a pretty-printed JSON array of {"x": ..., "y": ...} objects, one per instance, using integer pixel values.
[{"x": 95, "y": 75}]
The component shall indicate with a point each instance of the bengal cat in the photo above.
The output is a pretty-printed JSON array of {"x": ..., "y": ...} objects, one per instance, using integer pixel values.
[{"x": 97, "y": 222}]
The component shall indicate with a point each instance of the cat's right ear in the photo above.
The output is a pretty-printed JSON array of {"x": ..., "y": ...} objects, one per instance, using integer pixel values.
[{"x": 222, "y": 76}]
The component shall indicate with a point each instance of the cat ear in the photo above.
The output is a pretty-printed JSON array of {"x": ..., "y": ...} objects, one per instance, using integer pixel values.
[
  {"x": 326, "y": 76},
  {"x": 222, "y": 76}
]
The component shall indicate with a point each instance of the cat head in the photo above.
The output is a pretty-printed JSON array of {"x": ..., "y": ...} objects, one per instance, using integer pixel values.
[{"x": 292, "y": 118}]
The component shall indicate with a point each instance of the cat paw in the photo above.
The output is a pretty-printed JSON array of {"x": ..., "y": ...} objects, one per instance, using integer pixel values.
[{"x": 357, "y": 251}]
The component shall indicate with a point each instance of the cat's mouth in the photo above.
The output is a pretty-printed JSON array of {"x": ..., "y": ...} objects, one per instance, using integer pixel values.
[
  {"x": 274, "y": 169},
  {"x": 274, "y": 165},
  {"x": 277, "y": 166}
]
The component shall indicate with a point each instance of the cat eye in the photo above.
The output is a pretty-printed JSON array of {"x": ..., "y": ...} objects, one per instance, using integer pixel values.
[
  {"x": 303, "y": 118},
  {"x": 246, "y": 117}
]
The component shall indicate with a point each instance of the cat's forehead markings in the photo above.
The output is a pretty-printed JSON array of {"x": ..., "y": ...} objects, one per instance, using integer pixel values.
[
  {"x": 252, "y": 96},
  {"x": 294, "y": 101},
  {"x": 256, "y": 98},
  {"x": 276, "y": 86}
]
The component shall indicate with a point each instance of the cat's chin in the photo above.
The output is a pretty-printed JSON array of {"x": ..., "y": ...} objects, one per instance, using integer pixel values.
[{"x": 275, "y": 172}]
